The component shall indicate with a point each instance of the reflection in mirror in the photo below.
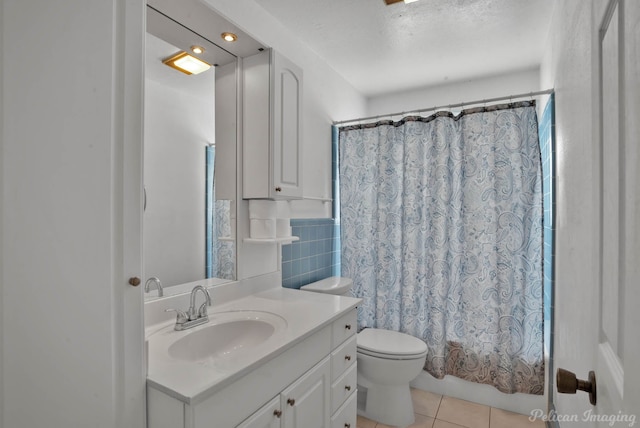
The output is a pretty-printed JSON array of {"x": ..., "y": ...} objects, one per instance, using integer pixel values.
[{"x": 189, "y": 173}]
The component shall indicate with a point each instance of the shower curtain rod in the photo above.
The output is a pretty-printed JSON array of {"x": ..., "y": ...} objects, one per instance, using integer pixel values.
[{"x": 449, "y": 106}]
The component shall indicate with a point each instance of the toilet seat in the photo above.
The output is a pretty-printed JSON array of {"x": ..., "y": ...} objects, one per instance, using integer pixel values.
[{"x": 391, "y": 345}]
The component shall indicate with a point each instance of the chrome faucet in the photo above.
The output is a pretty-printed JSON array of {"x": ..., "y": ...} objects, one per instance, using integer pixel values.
[
  {"x": 155, "y": 280},
  {"x": 202, "y": 311},
  {"x": 193, "y": 317}
]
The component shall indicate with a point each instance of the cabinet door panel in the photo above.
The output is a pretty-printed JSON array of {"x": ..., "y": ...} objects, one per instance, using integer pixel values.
[
  {"x": 266, "y": 417},
  {"x": 287, "y": 138},
  {"x": 306, "y": 402}
]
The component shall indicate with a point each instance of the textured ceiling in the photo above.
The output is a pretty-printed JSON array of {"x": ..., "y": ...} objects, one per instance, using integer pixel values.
[{"x": 381, "y": 49}]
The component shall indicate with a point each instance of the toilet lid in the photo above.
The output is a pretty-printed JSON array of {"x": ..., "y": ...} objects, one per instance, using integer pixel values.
[
  {"x": 333, "y": 285},
  {"x": 387, "y": 342}
]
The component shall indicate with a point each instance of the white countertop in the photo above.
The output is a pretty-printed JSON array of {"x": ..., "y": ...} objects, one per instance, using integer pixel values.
[{"x": 190, "y": 382}]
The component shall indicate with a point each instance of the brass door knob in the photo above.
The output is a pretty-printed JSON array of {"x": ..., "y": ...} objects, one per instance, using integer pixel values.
[
  {"x": 347, "y": 357},
  {"x": 278, "y": 189},
  {"x": 277, "y": 413},
  {"x": 291, "y": 402},
  {"x": 135, "y": 281},
  {"x": 568, "y": 383}
]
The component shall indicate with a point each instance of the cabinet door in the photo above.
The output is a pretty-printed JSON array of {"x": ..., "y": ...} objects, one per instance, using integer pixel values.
[
  {"x": 287, "y": 128},
  {"x": 306, "y": 402},
  {"x": 268, "y": 416}
]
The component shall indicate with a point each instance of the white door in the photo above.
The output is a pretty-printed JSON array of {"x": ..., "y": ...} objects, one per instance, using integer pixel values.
[
  {"x": 617, "y": 353},
  {"x": 619, "y": 320},
  {"x": 607, "y": 339}
]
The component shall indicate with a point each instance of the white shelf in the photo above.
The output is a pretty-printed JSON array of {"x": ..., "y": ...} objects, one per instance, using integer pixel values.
[{"x": 283, "y": 241}]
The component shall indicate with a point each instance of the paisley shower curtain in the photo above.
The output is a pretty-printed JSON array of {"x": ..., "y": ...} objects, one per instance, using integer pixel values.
[{"x": 441, "y": 221}]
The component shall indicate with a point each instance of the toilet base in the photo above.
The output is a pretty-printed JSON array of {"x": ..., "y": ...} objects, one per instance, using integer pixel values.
[{"x": 387, "y": 404}]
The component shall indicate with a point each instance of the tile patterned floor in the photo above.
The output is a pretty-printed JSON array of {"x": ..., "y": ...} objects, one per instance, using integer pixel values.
[{"x": 438, "y": 411}]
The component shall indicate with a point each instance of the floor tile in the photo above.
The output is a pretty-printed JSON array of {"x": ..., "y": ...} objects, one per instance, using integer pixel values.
[
  {"x": 425, "y": 403},
  {"x": 444, "y": 424},
  {"x": 504, "y": 419},
  {"x": 421, "y": 422},
  {"x": 465, "y": 413},
  {"x": 365, "y": 423}
]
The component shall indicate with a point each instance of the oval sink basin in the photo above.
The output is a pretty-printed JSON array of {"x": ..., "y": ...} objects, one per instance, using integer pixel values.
[{"x": 227, "y": 334}]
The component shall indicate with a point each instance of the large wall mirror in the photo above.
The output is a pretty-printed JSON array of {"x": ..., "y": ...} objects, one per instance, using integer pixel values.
[{"x": 189, "y": 157}]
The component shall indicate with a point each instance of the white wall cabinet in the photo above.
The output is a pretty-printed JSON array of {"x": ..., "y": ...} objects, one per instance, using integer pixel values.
[{"x": 272, "y": 127}]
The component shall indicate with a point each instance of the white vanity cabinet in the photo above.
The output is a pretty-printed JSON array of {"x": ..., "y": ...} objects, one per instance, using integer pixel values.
[
  {"x": 272, "y": 127},
  {"x": 304, "y": 404},
  {"x": 344, "y": 371},
  {"x": 309, "y": 401},
  {"x": 310, "y": 385}
]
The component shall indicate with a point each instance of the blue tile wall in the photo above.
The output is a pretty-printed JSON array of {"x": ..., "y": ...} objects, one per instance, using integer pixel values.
[
  {"x": 546, "y": 133},
  {"x": 315, "y": 256}
]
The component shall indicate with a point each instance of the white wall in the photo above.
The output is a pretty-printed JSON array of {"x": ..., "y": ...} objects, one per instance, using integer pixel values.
[
  {"x": 570, "y": 67},
  {"x": 515, "y": 83},
  {"x": 179, "y": 124},
  {"x": 65, "y": 137}
]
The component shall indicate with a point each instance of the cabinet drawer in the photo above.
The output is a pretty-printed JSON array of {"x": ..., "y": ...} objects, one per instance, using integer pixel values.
[
  {"x": 343, "y": 357},
  {"x": 346, "y": 416},
  {"x": 344, "y": 387},
  {"x": 344, "y": 327}
]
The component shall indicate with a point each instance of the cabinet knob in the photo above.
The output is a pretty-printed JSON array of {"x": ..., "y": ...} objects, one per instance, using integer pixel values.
[
  {"x": 347, "y": 425},
  {"x": 135, "y": 281},
  {"x": 278, "y": 189},
  {"x": 347, "y": 387},
  {"x": 347, "y": 357},
  {"x": 348, "y": 326},
  {"x": 277, "y": 413},
  {"x": 291, "y": 402}
]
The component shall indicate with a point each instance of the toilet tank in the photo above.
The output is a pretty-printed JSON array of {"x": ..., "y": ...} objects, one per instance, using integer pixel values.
[{"x": 337, "y": 285}]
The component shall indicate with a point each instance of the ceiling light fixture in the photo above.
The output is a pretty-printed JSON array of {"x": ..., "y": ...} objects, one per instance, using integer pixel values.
[
  {"x": 229, "y": 37},
  {"x": 186, "y": 63},
  {"x": 197, "y": 49}
]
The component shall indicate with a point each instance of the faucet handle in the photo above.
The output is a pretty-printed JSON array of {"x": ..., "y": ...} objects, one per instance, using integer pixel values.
[
  {"x": 181, "y": 316},
  {"x": 202, "y": 312}
]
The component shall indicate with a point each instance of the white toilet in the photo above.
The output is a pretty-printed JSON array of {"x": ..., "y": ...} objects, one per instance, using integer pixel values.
[{"x": 387, "y": 362}]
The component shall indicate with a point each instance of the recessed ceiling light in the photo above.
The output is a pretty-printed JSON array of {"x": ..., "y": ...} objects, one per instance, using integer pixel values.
[
  {"x": 186, "y": 63},
  {"x": 197, "y": 49},
  {"x": 229, "y": 37}
]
